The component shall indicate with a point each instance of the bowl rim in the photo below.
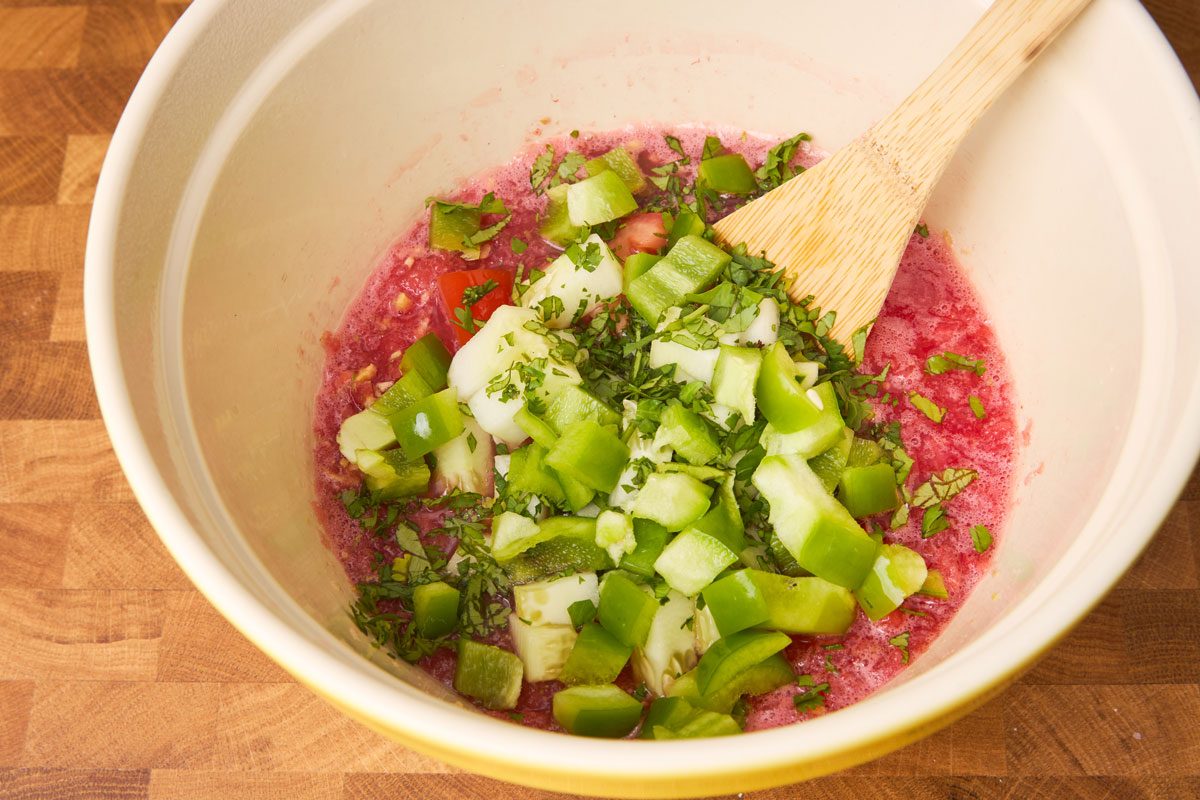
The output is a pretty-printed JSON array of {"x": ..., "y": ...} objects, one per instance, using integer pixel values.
[{"x": 551, "y": 760}]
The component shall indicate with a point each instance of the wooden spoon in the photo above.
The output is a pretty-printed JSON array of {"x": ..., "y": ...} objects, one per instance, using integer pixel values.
[{"x": 840, "y": 229}]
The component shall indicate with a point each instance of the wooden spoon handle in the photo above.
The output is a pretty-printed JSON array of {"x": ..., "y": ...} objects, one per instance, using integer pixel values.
[{"x": 921, "y": 135}]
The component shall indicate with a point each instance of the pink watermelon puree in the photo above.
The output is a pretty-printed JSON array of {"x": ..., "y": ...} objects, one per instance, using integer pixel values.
[{"x": 932, "y": 308}]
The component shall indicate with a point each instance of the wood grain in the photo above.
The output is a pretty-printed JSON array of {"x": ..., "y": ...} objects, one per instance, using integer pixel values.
[{"x": 118, "y": 680}]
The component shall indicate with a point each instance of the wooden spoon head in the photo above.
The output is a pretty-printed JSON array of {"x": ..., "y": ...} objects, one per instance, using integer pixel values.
[{"x": 838, "y": 231}]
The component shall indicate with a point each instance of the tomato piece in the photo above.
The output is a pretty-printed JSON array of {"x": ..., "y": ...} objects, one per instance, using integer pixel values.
[
  {"x": 453, "y": 285},
  {"x": 641, "y": 233}
]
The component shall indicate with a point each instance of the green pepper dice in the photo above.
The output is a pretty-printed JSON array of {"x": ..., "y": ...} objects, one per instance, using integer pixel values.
[
  {"x": 691, "y": 264},
  {"x": 490, "y": 675},
  {"x": 604, "y": 711},
  {"x": 597, "y": 657},
  {"x": 780, "y": 398},
  {"x": 429, "y": 358},
  {"x": 435, "y": 609},
  {"x": 428, "y": 423},
  {"x": 555, "y": 226},
  {"x": 736, "y": 603},
  {"x": 807, "y": 605},
  {"x": 728, "y": 174},
  {"x": 897, "y": 573},
  {"x": 732, "y": 655},
  {"x": 868, "y": 490},
  {"x": 689, "y": 434},
  {"x": 637, "y": 265},
  {"x": 621, "y": 162},
  {"x": 410, "y": 388},
  {"x": 590, "y": 454},
  {"x": 651, "y": 539},
  {"x": 765, "y": 676},
  {"x": 625, "y": 610}
]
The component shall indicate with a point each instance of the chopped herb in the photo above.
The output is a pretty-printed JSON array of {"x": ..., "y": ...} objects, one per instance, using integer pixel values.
[
  {"x": 567, "y": 168},
  {"x": 858, "y": 342},
  {"x": 463, "y": 316},
  {"x": 927, "y": 407},
  {"x": 977, "y": 407},
  {"x": 835, "y": 646},
  {"x": 516, "y": 716},
  {"x": 899, "y": 517},
  {"x": 981, "y": 537},
  {"x": 829, "y": 666},
  {"x": 640, "y": 692},
  {"x": 900, "y": 642},
  {"x": 540, "y": 170},
  {"x": 934, "y": 521},
  {"x": 587, "y": 258},
  {"x": 943, "y": 486},
  {"x": 712, "y": 148},
  {"x": 518, "y": 245},
  {"x": 923, "y": 230},
  {"x": 673, "y": 143},
  {"x": 936, "y": 365},
  {"x": 777, "y": 168},
  {"x": 912, "y": 612},
  {"x": 811, "y": 695}
]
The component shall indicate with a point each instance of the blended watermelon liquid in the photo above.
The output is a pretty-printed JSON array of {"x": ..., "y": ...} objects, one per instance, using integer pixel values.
[{"x": 932, "y": 308}]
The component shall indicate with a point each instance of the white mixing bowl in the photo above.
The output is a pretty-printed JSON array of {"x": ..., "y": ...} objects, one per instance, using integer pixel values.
[{"x": 274, "y": 148}]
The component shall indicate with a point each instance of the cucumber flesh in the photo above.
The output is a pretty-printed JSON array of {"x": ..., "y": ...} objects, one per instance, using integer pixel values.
[{"x": 543, "y": 649}]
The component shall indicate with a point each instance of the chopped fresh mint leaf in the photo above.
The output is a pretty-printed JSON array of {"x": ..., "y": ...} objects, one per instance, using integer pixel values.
[
  {"x": 943, "y": 486},
  {"x": 927, "y": 407},
  {"x": 518, "y": 245},
  {"x": 923, "y": 231},
  {"x": 858, "y": 343},
  {"x": 900, "y": 642},
  {"x": 777, "y": 167},
  {"x": 936, "y": 365},
  {"x": 981, "y": 537},
  {"x": 934, "y": 521},
  {"x": 567, "y": 168},
  {"x": 977, "y": 407}
]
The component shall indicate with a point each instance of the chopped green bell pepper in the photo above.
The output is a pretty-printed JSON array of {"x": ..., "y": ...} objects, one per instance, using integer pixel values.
[
  {"x": 651, "y": 539},
  {"x": 590, "y": 454},
  {"x": 390, "y": 476},
  {"x": 723, "y": 521},
  {"x": 626, "y": 611},
  {"x": 814, "y": 527},
  {"x": 672, "y": 499},
  {"x": 490, "y": 675},
  {"x": 727, "y": 174},
  {"x": 735, "y": 377},
  {"x": 765, "y": 676},
  {"x": 689, "y": 434},
  {"x": 429, "y": 358},
  {"x": 676, "y": 718},
  {"x": 450, "y": 225},
  {"x": 736, "y": 602},
  {"x": 810, "y": 605},
  {"x": 602, "y": 711},
  {"x": 864, "y": 453},
  {"x": 621, "y": 162},
  {"x": 868, "y": 490},
  {"x": 572, "y": 403},
  {"x": 685, "y": 223},
  {"x": 599, "y": 199},
  {"x": 596, "y": 658},
  {"x": 780, "y": 398},
  {"x": 934, "y": 586},
  {"x": 557, "y": 556},
  {"x": 829, "y": 464},
  {"x": 428, "y": 423},
  {"x": 897, "y": 573},
  {"x": 730, "y": 656},
  {"x": 555, "y": 226},
  {"x": 636, "y": 265},
  {"x": 692, "y": 560},
  {"x": 529, "y": 473},
  {"x": 408, "y": 389},
  {"x": 537, "y": 428},
  {"x": 435, "y": 609},
  {"x": 689, "y": 266}
]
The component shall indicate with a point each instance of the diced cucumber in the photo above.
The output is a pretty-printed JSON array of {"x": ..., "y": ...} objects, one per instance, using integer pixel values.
[
  {"x": 543, "y": 649},
  {"x": 821, "y": 432},
  {"x": 702, "y": 724},
  {"x": 692, "y": 560},
  {"x": 689, "y": 434},
  {"x": 601, "y": 711},
  {"x": 366, "y": 430},
  {"x": 599, "y": 199},
  {"x": 727, "y": 174},
  {"x": 736, "y": 602},
  {"x": 765, "y": 676},
  {"x": 764, "y": 330},
  {"x": 690, "y": 363},
  {"x": 597, "y": 657},
  {"x": 546, "y": 602},
  {"x": 579, "y": 289},
  {"x": 897, "y": 573},
  {"x": 673, "y": 500},
  {"x": 590, "y": 454},
  {"x": 868, "y": 490},
  {"x": 626, "y": 610},
  {"x": 621, "y": 162},
  {"x": 734, "y": 377},
  {"x": 864, "y": 453},
  {"x": 688, "y": 267},
  {"x": 571, "y": 403},
  {"x": 809, "y": 606},
  {"x": 637, "y": 265},
  {"x": 668, "y": 651},
  {"x": 390, "y": 476},
  {"x": 555, "y": 225},
  {"x": 435, "y": 609},
  {"x": 529, "y": 474},
  {"x": 651, "y": 538},
  {"x": 490, "y": 675},
  {"x": 814, "y": 527},
  {"x": 614, "y": 532},
  {"x": 465, "y": 462},
  {"x": 557, "y": 556}
]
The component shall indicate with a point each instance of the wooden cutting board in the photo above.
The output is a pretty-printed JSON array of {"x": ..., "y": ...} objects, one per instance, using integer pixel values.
[{"x": 117, "y": 680}]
